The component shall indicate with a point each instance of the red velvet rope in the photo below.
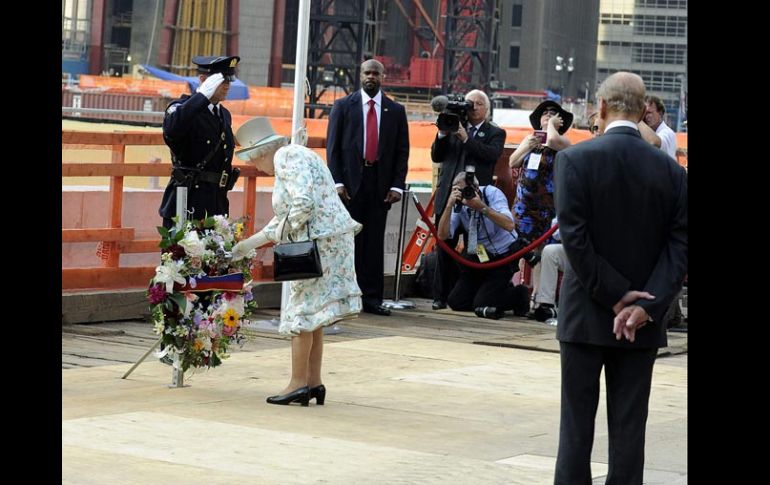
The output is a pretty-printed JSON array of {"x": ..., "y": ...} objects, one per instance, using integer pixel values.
[{"x": 492, "y": 264}]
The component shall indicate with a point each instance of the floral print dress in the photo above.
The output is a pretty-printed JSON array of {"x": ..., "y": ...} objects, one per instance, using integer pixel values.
[
  {"x": 304, "y": 193},
  {"x": 534, "y": 208}
]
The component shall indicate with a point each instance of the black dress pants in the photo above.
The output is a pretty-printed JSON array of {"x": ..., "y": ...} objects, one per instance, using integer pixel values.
[
  {"x": 369, "y": 209},
  {"x": 628, "y": 376}
]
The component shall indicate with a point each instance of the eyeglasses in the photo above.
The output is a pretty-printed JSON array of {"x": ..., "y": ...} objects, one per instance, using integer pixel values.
[
  {"x": 594, "y": 129},
  {"x": 551, "y": 112}
]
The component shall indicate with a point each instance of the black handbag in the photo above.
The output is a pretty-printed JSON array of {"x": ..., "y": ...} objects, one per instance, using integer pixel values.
[{"x": 296, "y": 260}]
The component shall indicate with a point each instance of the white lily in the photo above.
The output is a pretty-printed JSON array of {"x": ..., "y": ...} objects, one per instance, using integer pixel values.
[{"x": 168, "y": 274}]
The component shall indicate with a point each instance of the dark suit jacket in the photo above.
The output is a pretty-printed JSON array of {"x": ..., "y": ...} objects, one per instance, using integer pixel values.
[
  {"x": 191, "y": 131},
  {"x": 483, "y": 151},
  {"x": 622, "y": 210},
  {"x": 345, "y": 144}
]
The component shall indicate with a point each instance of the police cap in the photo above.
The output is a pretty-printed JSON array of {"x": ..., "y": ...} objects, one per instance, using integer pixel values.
[{"x": 213, "y": 64}]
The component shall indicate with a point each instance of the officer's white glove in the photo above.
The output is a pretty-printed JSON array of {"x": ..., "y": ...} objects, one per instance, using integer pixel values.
[
  {"x": 210, "y": 85},
  {"x": 243, "y": 248}
]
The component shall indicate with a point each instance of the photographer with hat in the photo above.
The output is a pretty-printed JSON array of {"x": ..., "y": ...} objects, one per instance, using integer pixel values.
[
  {"x": 476, "y": 142},
  {"x": 197, "y": 130},
  {"x": 483, "y": 213},
  {"x": 533, "y": 207}
]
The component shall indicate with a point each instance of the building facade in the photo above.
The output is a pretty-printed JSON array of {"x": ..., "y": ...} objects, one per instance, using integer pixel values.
[
  {"x": 649, "y": 38},
  {"x": 534, "y": 33}
]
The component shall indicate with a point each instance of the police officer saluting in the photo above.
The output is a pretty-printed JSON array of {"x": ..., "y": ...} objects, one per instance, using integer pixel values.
[{"x": 198, "y": 131}]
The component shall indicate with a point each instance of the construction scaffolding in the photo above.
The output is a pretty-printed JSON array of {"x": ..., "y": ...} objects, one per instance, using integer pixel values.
[
  {"x": 201, "y": 30},
  {"x": 341, "y": 36},
  {"x": 470, "y": 51}
]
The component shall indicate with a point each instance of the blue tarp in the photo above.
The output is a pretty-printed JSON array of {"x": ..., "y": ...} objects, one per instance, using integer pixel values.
[
  {"x": 552, "y": 96},
  {"x": 238, "y": 90}
]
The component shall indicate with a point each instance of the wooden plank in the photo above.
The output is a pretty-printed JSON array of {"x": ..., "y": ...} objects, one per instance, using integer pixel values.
[
  {"x": 139, "y": 246},
  {"x": 97, "y": 234},
  {"x": 116, "y": 206},
  {"x": 250, "y": 203},
  {"x": 316, "y": 142},
  {"x": 114, "y": 170},
  {"x": 137, "y": 277},
  {"x": 105, "y": 138},
  {"x": 135, "y": 170}
]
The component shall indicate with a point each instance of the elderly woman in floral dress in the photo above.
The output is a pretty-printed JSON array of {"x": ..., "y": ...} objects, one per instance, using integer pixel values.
[{"x": 304, "y": 195}]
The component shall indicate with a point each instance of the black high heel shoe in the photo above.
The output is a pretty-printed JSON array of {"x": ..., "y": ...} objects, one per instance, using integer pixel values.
[
  {"x": 300, "y": 395},
  {"x": 319, "y": 393}
]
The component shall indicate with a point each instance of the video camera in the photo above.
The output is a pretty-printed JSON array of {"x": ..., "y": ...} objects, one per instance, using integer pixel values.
[
  {"x": 452, "y": 109},
  {"x": 469, "y": 191}
]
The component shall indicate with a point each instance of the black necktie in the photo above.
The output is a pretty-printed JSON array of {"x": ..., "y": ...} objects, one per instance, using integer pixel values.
[
  {"x": 472, "y": 132},
  {"x": 215, "y": 110}
]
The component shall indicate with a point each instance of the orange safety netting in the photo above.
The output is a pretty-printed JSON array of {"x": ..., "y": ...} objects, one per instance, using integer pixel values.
[{"x": 169, "y": 89}]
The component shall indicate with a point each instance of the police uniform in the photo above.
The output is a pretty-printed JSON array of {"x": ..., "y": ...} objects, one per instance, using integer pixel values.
[{"x": 201, "y": 145}]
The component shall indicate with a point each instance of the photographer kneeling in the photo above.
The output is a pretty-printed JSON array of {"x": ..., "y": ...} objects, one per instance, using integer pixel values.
[
  {"x": 483, "y": 212},
  {"x": 466, "y": 137}
]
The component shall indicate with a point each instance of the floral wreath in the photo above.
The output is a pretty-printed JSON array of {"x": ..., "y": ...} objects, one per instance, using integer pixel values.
[{"x": 195, "y": 259}]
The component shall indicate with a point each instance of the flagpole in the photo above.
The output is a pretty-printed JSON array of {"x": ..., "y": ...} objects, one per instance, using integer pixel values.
[{"x": 298, "y": 113}]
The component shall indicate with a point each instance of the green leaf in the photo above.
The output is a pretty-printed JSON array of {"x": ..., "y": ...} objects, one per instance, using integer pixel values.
[
  {"x": 179, "y": 236},
  {"x": 180, "y": 301},
  {"x": 162, "y": 231}
]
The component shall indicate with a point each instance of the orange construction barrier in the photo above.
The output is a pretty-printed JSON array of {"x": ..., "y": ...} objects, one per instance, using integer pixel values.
[{"x": 420, "y": 241}]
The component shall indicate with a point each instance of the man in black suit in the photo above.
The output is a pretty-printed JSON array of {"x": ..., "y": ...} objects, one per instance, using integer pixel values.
[
  {"x": 367, "y": 150},
  {"x": 622, "y": 210},
  {"x": 479, "y": 143}
]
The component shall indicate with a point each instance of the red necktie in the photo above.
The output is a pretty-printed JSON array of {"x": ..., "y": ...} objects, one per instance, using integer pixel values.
[{"x": 370, "y": 153}]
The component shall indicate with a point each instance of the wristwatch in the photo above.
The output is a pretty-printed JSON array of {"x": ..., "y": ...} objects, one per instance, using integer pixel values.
[{"x": 485, "y": 210}]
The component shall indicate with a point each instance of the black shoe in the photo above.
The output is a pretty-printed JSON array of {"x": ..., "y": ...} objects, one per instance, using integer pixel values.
[
  {"x": 489, "y": 312},
  {"x": 438, "y": 304},
  {"x": 166, "y": 360},
  {"x": 544, "y": 312},
  {"x": 377, "y": 310},
  {"x": 300, "y": 395},
  {"x": 319, "y": 393}
]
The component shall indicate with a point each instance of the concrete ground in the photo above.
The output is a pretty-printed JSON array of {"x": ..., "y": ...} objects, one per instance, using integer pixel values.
[{"x": 420, "y": 397}]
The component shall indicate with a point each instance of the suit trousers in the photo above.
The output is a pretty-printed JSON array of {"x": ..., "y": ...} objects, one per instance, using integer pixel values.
[
  {"x": 368, "y": 208},
  {"x": 628, "y": 376}
]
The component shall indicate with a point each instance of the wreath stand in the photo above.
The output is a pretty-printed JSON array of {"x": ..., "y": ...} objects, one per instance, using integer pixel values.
[{"x": 177, "y": 374}]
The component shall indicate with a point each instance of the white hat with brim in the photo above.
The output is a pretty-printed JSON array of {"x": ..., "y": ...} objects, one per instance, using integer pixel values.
[{"x": 255, "y": 134}]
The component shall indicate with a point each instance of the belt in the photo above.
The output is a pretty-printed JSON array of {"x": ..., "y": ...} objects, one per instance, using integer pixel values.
[
  {"x": 219, "y": 178},
  {"x": 367, "y": 163}
]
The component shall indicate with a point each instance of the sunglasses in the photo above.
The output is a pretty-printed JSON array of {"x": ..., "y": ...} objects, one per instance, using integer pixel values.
[{"x": 594, "y": 129}]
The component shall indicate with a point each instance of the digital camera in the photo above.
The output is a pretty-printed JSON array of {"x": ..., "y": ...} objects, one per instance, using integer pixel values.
[{"x": 469, "y": 191}]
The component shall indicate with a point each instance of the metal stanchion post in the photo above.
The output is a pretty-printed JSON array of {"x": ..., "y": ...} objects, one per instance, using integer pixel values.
[
  {"x": 396, "y": 303},
  {"x": 177, "y": 376}
]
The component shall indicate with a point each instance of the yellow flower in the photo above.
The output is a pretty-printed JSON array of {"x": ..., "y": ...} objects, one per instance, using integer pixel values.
[
  {"x": 198, "y": 345},
  {"x": 238, "y": 230},
  {"x": 230, "y": 318}
]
